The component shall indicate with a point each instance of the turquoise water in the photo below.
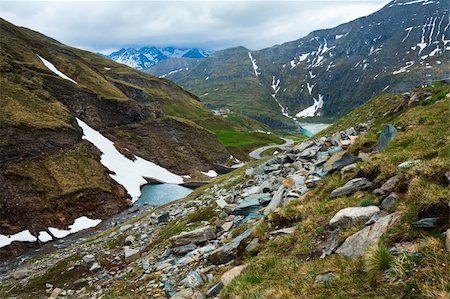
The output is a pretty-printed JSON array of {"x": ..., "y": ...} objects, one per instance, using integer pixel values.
[{"x": 159, "y": 194}]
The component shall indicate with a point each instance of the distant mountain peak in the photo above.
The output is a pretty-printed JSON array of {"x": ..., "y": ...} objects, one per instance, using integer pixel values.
[{"x": 150, "y": 55}]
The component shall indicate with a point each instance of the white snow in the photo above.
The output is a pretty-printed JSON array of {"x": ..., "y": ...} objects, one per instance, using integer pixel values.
[
  {"x": 303, "y": 57},
  {"x": 79, "y": 224},
  {"x": 412, "y": 2},
  {"x": 51, "y": 67},
  {"x": 275, "y": 84},
  {"x": 174, "y": 72},
  {"x": 311, "y": 75},
  {"x": 407, "y": 34},
  {"x": 404, "y": 69},
  {"x": 255, "y": 67},
  {"x": 293, "y": 63},
  {"x": 310, "y": 87},
  {"x": 129, "y": 173},
  {"x": 373, "y": 51},
  {"x": 211, "y": 173},
  {"x": 311, "y": 110},
  {"x": 107, "y": 68},
  {"x": 207, "y": 78},
  {"x": 23, "y": 236},
  {"x": 44, "y": 237}
]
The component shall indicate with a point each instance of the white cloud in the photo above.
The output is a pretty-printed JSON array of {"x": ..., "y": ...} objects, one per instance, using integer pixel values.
[{"x": 106, "y": 25}]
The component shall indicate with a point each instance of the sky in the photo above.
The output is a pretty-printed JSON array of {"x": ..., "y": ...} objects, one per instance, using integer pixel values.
[{"x": 105, "y": 26}]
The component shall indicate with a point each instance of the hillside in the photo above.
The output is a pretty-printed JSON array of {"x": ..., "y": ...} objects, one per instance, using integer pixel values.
[
  {"x": 357, "y": 212},
  {"x": 329, "y": 72},
  {"x": 49, "y": 175}
]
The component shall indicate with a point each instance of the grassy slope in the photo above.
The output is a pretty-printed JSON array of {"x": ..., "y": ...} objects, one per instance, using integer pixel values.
[{"x": 286, "y": 267}]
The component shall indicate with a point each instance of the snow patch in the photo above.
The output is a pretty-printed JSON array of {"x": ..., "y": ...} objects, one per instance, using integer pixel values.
[
  {"x": 130, "y": 174},
  {"x": 23, "y": 236},
  {"x": 51, "y": 67},
  {"x": 255, "y": 67},
  {"x": 211, "y": 173},
  {"x": 311, "y": 110},
  {"x": 404, "y": 69}
]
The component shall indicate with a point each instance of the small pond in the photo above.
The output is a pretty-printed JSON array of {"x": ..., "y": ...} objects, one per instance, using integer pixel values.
[{"x": 160, "y": 194}]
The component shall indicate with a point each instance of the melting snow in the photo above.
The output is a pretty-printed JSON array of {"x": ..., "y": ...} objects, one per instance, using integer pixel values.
[
  {"x": 310, "y": 87},
  {"x": 174, "y": 72},
  {"x": 425, "y": 2},
  {"x": 311, "y": 75},
  {"x": 407, "y": 34},
  {"x": 255, "y": 67},
  {"x": 129, "y": 173},
  {"x": 303, "y": 57},
  {"x": 51, "y": 67},
  {"x": 311, "y": 110},
  {"x": 210, "y": 173},
  {"x": 79, "y": 224},
  {"x": 23, "y": 236},
  {"x": 405, "y": 68}
]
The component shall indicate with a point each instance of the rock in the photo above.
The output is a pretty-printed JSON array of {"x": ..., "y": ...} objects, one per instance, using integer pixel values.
[
  {"x": 227, "y": 225},
  {"x": 48, "y": 286},
  {"x": 214, "y": 290},
  {"x": 183, "y": 249},
  {"x": 355, "y": 245},
  {"x": 407, "y": 164},
  {"x": 20, "y": 274},
  {"x": 347, "y": 169},
  {"x": 447, "y": 239},
  {"x": 375, "y": 218},
  {"x": 276, "y": 201},
  {"x": 288, "y": 182},
  {"x": 388, "y": 186},
  {"x": 125, "y": 227},
  {"x": 249, "y": 171},
  {"x": 225, "y": 253},
  {"x": 163, "y": 218},
  {"x": 351, "y": 187},
  {"x": 88, "y": 259},
  {"x": 130, "y": 254},
  {"x": 198, "y": 235},
  {"x": 283, "y": 231},
  {"x": 192, "y": 280},
  {"x": 324, "y": 278},
  {"x": 252, "y": 245},
  {"x": 389, "y": 201},
  {"x": 251, "y": 190},
  {"x": 364, "y": 156},
  {"x": 188, "y": 294},
  {"x": 95, "y": 267},
  {"x": 388, "y": 133},
  {"x": 426, "y": 222},
  {"x": 251, "y": 204},
  {"x": 221, "y": 203},
  {"x": 344, "y": 160},
  {"x": 129, "y": 240},
  {"x": 231, "y": 274},
  {"x": 79, "y": 283},
  {"x": 330, "y": 244},
  {"x": 55, "y": 293},
  {"x": 353, "y": 215}
]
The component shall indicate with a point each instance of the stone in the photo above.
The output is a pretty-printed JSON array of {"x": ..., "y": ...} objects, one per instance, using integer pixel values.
[
  {"x": 48, "y": 286},
  {"x": 288, "y": 182},
  {"x": 125, "y": 227},
  {"x": 364, "y": 156},
  {"x": 324, "y": 278},
  {"x": 79, "y": 283},
  {"x": 355, "y": 245},
  {"x": 251, "y": 190},
  {"x": 375, "y": 218},
  {"x": 198, "y": 235},
  {"x": 388, "y": 186},
  {"x": 227, "y": 225},
  {"x": 192, "y": 280},
  {"x": 130, "y": 254},
  {"x": 20, "y": 274},
  {"x": 252, "y": 245},
  {"x": 231, "y": 274},
  {"x": 351, "y": 187},
  {"x": 163, "y": 218},
  {"x": 95, "y": 267},
  {"x": 388, "y": 133},
  {"x": 88, "y": 259},
  {"x": 129, "y": 240},
  {"x": 183, "y": 249},
  {"x": 214, "y": 290},
  {"x": 221, "y": 203},
  {"x": 188, "y": 294},
  {"x": 407, "y": 164},
  {"x": 283, "y": 231},
  {"x": 55, "y": 293},
  {"x": 352, "y": 215},
  {"x": 225, "y": 253},
  {"x": 251, "y": 204},
  {"x": 331, "y": 244},
  {"x": 426, "y": 222},
  {"x": 389, "y": 201},
  {"x": 276, "y": 201},
  {"x": 339, "y": 161},
  {"x": 347, "y": 169},
  {"x": 447, "y": 239}
]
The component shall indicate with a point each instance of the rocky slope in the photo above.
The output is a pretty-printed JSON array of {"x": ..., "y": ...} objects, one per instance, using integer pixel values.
[
  {"x": 329, "y": 72},
  {"x": 49, "y": 175},
  {"x": 356, "y": 212},
  {"x": 145, "y": 57}
]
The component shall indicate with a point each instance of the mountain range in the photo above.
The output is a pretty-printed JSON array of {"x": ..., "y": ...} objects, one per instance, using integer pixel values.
[
  {"x": 147, "y": 56},
  {"x": 328, "y": 72}
]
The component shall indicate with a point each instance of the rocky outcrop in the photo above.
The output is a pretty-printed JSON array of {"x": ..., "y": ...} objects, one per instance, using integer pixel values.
[
  {"x": 353, "y": 215},
  {"x": 351, "y": 187}
]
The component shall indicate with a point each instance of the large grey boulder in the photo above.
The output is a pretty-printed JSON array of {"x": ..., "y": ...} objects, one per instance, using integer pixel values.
[
  {"x": 226, "y": 253},
  {"x": 355, "y": 245},
  {"x": 130, "y": 254},
  {"x": 388, "y": 186},
  {"x": 353, "y": 215},
  {"x": 345, "y": 160},
  {"x": 276, "y": 200},
  {"x": 192, "y": 280},
  {"x": 351, "y": 187},
  {"x": 388, "y": 133},
  {"x": 198, "y": 235}
]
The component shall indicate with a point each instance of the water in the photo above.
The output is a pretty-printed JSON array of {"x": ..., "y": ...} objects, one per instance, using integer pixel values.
[
  {"x": 159, "y": 194},
  {"x": 310, "y": 129}
]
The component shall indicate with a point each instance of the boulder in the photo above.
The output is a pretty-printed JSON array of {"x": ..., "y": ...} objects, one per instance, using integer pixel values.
[
  {"x": 88, "y": 259},
  {"x": 226, "y": 253},
  {"x": 188, "y": 294},
  {"x": 276, "y": 201},
  {"x": 345, "y": 160},
  {"x": 375, "y": 218},
  {"x": 388, "y": 186},
  {"x": 55, "y": 293},
  {"x": 351, "y": 187},
  {"x": 407, "y": 164},
  {"x": 352, "y": 215},
  {"x": 389, "y": 201},
  {"x": 251, "y": 204},
  {"x": 388, "y": 133},
  {"x": 192, "y": 280},
  {"x": 95, "y": 267},
  {"x": 130, "y": 254},
  {"x": 323, "y": 278},
  {"x": 214, "y": 290},
  {"x": 355, "y": 245},
  {"x": 447, "y": 239},
  {"x": 198, "y": 235},
  {"x": 129, "y": 240},
  {"x": 231, "y": 274},
  {"x": 227, "y": 225},
  {"x": 426, "y": 222},
  {"x": 79, "y": 283},
  {"x": 330, "y": 244},
  {"x": 252, "y": 245},
  {"x": 164, "y": 217}
]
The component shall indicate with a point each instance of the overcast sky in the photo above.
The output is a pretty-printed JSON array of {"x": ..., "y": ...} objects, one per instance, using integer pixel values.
[{"x": 104, "y": 26}]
